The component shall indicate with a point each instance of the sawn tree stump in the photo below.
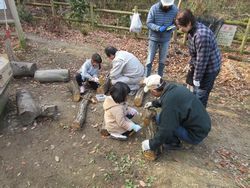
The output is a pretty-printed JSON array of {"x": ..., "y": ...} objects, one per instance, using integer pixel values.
[{"x": 22, "y": 69}]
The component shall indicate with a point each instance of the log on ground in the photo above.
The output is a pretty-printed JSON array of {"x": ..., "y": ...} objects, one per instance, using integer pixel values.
[
  {"x": 28, "y": 110},
  {"x": 23, "y": 69},
  {"x": 81, "y": 115},
  {"x": 52, "y": 75},
  {"x": 75, "y": 91}
]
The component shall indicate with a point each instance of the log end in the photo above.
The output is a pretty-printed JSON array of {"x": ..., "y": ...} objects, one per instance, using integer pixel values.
[
  {"x": 76, "y": 97},
  {"x": 75, "y": 126}
]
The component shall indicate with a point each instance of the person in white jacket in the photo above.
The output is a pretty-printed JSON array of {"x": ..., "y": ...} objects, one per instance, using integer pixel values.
[
  {"x": 126, "y": 68},
  {"x": 89, "y": 72}
]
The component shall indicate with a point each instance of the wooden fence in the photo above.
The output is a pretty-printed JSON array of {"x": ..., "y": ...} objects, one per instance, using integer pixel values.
[{"x": 93, "y": 10}]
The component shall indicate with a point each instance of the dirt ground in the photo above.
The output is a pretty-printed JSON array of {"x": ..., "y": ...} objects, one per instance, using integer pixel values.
[{"x": 49, "y": 154}]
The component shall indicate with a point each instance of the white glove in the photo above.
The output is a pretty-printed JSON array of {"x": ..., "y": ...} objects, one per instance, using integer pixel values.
[
  {"x": 133, "y": 111},
  {"x": 145, "y": 145},
  {"x": 196, "y": 83},
  {"x": 136, "y": 127},
  {"x": 95, "y": 79},
  {"x": 148, "y": 104}
]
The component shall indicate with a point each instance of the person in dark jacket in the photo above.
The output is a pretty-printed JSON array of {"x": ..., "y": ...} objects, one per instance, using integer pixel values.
[
  {"x": 182, "y": 116},
  {"x": 205, "y": 60}
]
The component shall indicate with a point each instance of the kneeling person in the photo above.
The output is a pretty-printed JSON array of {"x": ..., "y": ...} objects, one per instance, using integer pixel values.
[{"x": 182, "y": 116}]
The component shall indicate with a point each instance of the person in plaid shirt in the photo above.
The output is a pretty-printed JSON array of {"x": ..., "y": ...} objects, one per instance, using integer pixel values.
[{"x": 205, "y": 60}]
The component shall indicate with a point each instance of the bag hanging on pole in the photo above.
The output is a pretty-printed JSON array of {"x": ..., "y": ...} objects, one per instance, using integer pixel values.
[{"x": 136, "y": 24}]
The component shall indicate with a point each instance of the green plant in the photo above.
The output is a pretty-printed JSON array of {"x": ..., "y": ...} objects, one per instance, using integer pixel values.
[
  {"x": 150, "y": 181},
  {"x": 129, "y": 184},
  {"x": 24, "y": 14},
  {"x": 78, "y": 8},
  {"x": 111, "y": 156}
]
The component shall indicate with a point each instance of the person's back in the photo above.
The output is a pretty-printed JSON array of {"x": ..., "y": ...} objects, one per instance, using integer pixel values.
[
  {"x": 188, "y": 109},
  {"x": 131, "y": 66}
]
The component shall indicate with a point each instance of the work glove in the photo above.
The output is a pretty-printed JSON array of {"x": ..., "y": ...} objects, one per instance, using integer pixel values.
[
  {"x": 163, "y": 28},
  {"x": 95, "y": 79},
  {"x": 196, "y": 83},
  {"x": 145, "y": 145},
  {"x": 132, "y": 111},
  {"x": 148, "y": 105},
  {"x": 135, "y": 127}
]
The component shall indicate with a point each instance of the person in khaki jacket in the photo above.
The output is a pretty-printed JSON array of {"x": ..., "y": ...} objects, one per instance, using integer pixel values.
[{"x": 117, "y": 114}]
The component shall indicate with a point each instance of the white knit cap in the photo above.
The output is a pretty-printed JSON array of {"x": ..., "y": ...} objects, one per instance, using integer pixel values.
[
  {"x": 152, "y": 82},
  {"x": 167, "y": 2}
]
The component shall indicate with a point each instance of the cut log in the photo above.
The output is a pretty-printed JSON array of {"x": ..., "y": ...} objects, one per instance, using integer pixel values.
[
  {"x": 81, "y": 115},
  {"x": 28, "y": 110},
  {"x": 149, "y": 122},
  {"x": 49, "y": 110},
  {"x": 75, "y": 91},
  {"x": 22, "y": 69},
  {"x": 139, "y": 97},
  {"x": 52, "y": 75}
]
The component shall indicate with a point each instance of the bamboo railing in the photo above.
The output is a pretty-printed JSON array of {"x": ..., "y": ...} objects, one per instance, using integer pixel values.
[{"x": 94, "y": 10}]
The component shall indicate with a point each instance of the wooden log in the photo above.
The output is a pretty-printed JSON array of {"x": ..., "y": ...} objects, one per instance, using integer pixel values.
[
  {"x": 75, "y": 91},
  {"x": 139, "y": 97},
  {"x": 81, "y": 115},
  {"x": 23, "y": 69},
  {"x": 28, "y": 110},
  {"x": 237, "y": 58},
  {"x": 52, "y": 75},
  {"x": 149, "y": 122}
]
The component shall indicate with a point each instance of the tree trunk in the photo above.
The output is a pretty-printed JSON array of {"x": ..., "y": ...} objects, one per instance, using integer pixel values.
[
  {"x": 9, "y": 50},
  {"x": 74, "y": 89},
  {"x": 53, "y": 75},
  {"x": 81, "y": 115},
  {"x": 28, "y": 110},
  {"x": 22, "y": 69}
]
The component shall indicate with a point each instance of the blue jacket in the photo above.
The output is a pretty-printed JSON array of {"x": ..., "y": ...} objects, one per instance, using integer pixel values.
[{"x": 157, "y": 18}]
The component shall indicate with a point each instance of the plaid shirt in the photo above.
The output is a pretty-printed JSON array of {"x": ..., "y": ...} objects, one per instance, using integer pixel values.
[{"x": 205, "y": 54}]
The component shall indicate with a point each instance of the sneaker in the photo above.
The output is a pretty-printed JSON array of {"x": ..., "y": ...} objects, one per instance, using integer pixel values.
[
  {"x": 82, "y": 89},
  {"x": 132, "y": 92},
  {"x": 118, "y": 136}
]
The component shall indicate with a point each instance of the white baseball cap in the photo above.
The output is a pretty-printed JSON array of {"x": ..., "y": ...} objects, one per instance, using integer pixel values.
[
  {"x": 152, "y": 82},
  {"x": 167, "y": 2}
]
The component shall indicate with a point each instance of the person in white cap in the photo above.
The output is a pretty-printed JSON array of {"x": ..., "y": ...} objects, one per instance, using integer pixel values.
[
  {"x": 182, "y": 116},
  {"x": 160, "y": 22}
]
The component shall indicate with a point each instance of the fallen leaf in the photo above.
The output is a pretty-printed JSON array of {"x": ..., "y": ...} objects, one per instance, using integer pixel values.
[{"x": 142, "y": 183}]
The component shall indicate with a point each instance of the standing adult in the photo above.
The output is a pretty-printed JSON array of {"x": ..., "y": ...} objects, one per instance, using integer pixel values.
[
  {"x": 126, "y": 68},
  {"x": 160, "y": 17},
  {"x": 205, "y": 60}
]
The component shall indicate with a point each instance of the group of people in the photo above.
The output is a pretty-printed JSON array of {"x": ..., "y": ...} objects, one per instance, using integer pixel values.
[{"x": 183, "y": 115}]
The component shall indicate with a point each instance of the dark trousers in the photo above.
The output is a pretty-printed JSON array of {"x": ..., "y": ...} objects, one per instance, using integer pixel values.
[
  {"x": 79, "y": 80},
  {"x": 206, "y": 85}
]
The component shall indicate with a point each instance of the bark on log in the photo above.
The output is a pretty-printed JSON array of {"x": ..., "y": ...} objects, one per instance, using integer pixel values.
[
  {"x": 81, "y": 115},
  {"x": 52, "y": 75},
  {"x": 22, "y": 69},
  {"x": 74, "y": 89},
  {"x": 149, "y": 122},
  {"x": 139, "y": 97},
  {"x": 28, "y": 110}
]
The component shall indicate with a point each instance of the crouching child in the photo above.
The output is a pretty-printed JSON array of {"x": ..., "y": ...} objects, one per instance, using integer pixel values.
[
  {"x": 117, "y": 114},
  {"x": 89, "y": 73}
]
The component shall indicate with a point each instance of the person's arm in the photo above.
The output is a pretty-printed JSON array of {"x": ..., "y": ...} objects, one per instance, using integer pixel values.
[
  {"x": 84, "y": 71},
  {"x": 121, "y": 119},
  {"x": 116, "y": 69},
  {"x": 151, "y": 19},
  {"x": 168, "y": 123},
  {"x": 202, "y": 44}
]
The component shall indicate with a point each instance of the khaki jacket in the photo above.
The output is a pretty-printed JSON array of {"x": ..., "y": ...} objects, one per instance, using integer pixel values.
[{"x": 115, "y": 116}]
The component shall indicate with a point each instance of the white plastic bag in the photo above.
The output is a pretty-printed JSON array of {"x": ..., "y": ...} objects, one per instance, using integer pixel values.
[{"x": 136, "y": 24}]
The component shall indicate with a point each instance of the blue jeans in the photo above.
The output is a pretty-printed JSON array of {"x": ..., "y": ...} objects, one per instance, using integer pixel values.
[
  {"x": 152, "y": 49},
  {"x": 206, "y": 85},
  {"x": 181, "y": 133}
]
